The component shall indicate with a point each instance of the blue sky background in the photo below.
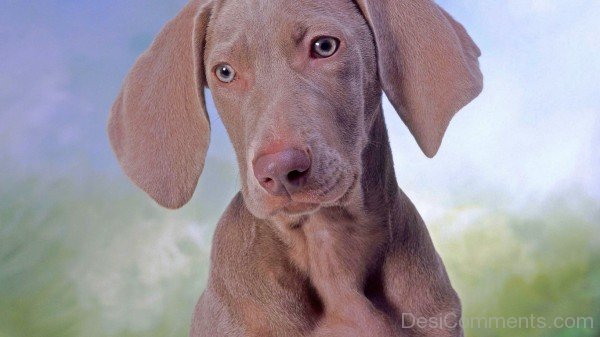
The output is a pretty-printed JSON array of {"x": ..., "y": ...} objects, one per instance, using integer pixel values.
[
  {"x": 512, "y": 198},
  {"x": 534, "y": 131}
]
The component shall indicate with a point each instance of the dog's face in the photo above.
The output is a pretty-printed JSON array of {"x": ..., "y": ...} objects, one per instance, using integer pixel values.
[
  {"x": 297, "y": 84},
  {"x": 293, "y": 98}
]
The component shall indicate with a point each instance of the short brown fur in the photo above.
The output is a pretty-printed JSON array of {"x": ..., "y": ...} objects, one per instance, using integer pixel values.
[{"x": 348, "y": 255}]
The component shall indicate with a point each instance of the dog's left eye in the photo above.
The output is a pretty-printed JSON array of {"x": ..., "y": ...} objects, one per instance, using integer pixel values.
[
  {"x": 325, "y": 46},
  {"x": 225, "y": 73}
]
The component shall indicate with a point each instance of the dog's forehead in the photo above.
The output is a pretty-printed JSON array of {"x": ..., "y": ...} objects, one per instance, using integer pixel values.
[{"x": 262, "y": 18}]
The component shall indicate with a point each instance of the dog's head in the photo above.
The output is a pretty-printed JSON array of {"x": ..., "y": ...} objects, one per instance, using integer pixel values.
[{"x": 297, "y": 85}]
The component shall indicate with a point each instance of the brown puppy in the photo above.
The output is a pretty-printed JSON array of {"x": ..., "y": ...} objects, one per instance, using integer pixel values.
[{"x": 320, "y": 241}]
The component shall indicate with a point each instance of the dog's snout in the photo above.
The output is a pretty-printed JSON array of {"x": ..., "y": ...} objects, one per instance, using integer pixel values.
[{"x": 283, "y": 172}]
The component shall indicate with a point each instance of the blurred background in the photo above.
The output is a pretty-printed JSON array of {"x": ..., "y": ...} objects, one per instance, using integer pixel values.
[{"x": 512, "y": 200}]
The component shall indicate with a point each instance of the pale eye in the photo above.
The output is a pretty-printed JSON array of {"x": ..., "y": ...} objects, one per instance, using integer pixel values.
[
  {"x": 325, "y": 46},
  {"x": 225, "y": 73}
]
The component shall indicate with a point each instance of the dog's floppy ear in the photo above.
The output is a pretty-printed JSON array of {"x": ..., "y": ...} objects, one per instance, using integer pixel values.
[
  {"x": 428, "y": 64},
  {"x": 158, "y": 126}
]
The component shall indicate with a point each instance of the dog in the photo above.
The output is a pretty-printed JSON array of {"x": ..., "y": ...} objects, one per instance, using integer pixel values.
[{"x": 320, "y": 241}]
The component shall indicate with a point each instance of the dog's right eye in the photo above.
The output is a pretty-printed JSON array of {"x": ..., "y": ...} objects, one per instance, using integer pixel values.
[
  {"x": 225, "y": 73},
  {"x": 325, "y": 46}
]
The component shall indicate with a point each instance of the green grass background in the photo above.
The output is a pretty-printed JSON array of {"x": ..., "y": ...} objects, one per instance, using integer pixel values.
[{"x": 94, "y": 257}]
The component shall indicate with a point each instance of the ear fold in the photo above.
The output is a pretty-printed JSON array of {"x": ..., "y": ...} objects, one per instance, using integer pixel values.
[
  {"x": 428, "y": 64},
  {"x": 158, "y": 126}
]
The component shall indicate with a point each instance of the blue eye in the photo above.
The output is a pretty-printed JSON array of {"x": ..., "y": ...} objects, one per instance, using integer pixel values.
[
  {"x": 325, "y": 46},
  {"x": 225, "y": 73}
]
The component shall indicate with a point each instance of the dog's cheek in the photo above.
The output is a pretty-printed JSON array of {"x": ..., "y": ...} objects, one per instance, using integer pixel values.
[
  {"x": 326, "y": 170},
  {"x": 349, "y": 116}
]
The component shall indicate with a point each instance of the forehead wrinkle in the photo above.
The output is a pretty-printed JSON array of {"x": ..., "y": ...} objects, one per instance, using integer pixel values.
[
  {"x": 226, "y": 47},
  {"x": 299, "y": 32}
]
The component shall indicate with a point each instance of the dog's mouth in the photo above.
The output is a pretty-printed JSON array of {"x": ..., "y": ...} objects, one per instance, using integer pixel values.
[{"x": 313, "y": 202}]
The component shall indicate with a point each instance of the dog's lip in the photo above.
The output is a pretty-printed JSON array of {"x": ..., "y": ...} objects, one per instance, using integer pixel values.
[
  {"x": 350, "y": 188},
  {"x": 318, "y": 200}
]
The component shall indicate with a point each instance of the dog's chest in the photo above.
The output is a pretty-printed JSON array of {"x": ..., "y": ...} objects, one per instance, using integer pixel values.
[{"x": 330, "y": 250}]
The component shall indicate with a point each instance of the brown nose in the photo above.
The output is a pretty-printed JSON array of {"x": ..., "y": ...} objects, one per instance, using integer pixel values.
[{"x": 284, "y": 172}]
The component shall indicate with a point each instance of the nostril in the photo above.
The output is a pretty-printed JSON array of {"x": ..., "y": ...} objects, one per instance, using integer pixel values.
[
  {"x": 295, "y": 176},
  {"x": 267, "y": 182}
]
